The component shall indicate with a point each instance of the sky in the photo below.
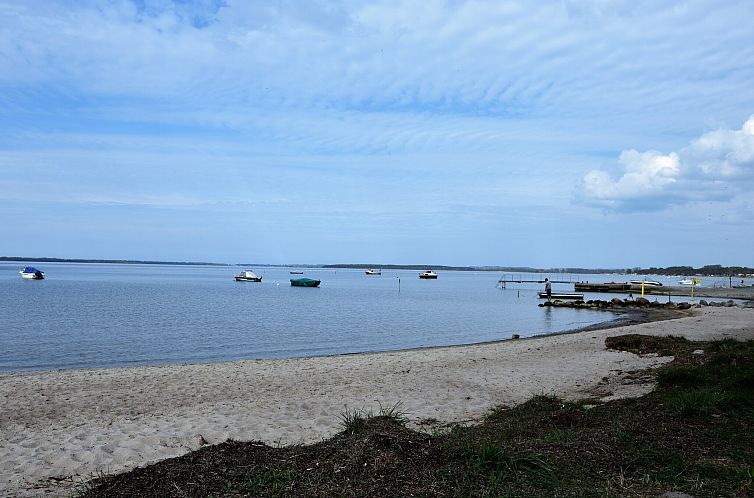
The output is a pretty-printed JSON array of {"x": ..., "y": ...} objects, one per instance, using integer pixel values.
[{"x": 591, "y": 133}]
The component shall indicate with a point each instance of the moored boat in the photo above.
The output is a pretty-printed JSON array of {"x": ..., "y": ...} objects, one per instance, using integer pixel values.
[
  {"x": 296, "y": 272},
  {"x": 247, "y": 276},
  {"x": 653, "y": 283},
  {"x": 31, "y": 273},
  {"x": 690, "y": 281},
  {"x": 304, "y": 282},
  {"x": 373, "y": 272},
  {"x": 429, "y": 274}
]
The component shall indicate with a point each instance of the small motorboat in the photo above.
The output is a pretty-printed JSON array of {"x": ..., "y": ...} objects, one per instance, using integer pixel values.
[
  {"x": 247, "y": 276},
  {"x": 373, "y": 272},
  {"x": 653, "y": 283},
  {"x": 31, "y": 273},
  {"x": 560, "y": 295},
  {"x": 304, "y": 282},
  {"x": 690, "y": 281},
  {"x": 429, "y": 274},
  {"x": 296, "y": 272}
]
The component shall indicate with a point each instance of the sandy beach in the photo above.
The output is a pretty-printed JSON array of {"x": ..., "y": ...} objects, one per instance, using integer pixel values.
[{"x": 59, "y": 428}]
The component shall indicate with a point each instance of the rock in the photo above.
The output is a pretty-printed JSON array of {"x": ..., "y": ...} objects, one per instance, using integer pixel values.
[
  {"x": 616, "y": 302},
  {"x": 199, "y": 440},
  {"x": 671, "y": 305},
  {"x": 703, "y": 302},
  {"x": 642, "y": 301},
  {"x": 684, "y": 306},
  {"x": 515, "y": 336},
  {"x": 698, "y": 351},
  {"x": 730, "y": 303}
]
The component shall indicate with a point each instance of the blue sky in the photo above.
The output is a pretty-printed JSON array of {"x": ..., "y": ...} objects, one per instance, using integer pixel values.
[{"x": 595, "y": 133}]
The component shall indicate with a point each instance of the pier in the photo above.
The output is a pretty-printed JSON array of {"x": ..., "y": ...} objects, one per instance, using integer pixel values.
[
  {"x": 518, "y": 279},
  {"x": 745, "y": 293}
]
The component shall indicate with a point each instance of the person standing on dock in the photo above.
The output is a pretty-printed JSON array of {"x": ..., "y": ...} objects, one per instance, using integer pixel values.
[{"x": 548, "y": 289}]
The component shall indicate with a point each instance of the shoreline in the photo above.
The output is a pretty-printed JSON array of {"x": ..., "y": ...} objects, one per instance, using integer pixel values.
[{"x": 61, "y": 427}]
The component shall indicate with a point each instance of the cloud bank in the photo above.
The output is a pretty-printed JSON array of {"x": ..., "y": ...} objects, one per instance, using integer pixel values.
[{"x": 719, "y": 165}]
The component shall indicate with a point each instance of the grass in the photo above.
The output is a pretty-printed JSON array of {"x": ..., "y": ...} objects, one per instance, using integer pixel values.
[{"x": 692, "y": 434}]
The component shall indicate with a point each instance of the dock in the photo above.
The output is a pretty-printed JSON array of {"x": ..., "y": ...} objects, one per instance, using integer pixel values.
[
  {"x": 518, "y": 279},
  {"x": 602, "y": 287},
  {"x": 744, "y": 293}
]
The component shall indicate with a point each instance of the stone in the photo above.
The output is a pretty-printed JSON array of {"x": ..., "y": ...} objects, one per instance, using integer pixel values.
[
  {"x": 684, "y": 306},
  {"x": 703, "y": 302}
]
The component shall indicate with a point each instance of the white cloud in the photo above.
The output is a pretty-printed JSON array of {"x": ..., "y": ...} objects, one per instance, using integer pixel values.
[{"x": 717, "y": 165}]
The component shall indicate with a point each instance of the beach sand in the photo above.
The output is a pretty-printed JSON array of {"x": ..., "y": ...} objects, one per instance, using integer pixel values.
[{"x": 62, "y": 427}]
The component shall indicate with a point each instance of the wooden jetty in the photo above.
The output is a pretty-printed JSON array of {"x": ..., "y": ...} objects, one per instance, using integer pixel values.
[{"x": 518, "y": 279}]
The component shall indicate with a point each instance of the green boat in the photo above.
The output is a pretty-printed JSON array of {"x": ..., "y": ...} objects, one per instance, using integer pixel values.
[{"x": 304, "y": 282}]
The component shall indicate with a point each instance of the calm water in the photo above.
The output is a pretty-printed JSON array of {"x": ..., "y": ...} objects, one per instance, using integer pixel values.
[{"x": 98, "y": 315}]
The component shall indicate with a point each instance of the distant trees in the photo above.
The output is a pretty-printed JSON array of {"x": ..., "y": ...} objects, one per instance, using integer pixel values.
[{"x": 706, "y": 270}]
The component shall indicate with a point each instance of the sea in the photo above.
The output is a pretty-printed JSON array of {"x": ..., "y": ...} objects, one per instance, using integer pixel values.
[{"x": 115, "y": 315}]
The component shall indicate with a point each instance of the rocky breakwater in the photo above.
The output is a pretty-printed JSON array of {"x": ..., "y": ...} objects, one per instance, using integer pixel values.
[{"x": 638, "y": 303}]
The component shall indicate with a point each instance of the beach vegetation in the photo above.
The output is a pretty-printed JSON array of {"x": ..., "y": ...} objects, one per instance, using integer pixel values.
[{"x": 692, "y": 434}]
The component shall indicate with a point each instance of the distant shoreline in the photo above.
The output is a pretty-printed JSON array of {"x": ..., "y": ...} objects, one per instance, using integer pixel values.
[{"x": 707, "y": 271}]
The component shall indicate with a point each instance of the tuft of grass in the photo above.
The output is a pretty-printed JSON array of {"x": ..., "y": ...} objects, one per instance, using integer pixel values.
[
  {"x": 394, "y": 413},
  {"x": 353, "y": 421}
]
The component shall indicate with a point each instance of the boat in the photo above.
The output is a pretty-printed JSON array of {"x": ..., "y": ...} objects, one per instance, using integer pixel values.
[
  {"x": 247, "y": 276},
  {"x": 653, "y": 283},
  {"x": 304, "y": 282},
  {"x": 429, "y": 274},
  {"x": 31, "y": 273},
  {"x": 296, "y": 272},
  {"x": 373, "y": 272},
  {"x": 690, "y": 281},
  {"x": 561, "y": 295}
]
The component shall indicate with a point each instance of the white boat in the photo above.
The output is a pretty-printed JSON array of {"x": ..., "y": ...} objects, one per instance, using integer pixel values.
[
  {"x": 373, "y": 272},
  {"x": 654, "y": 283},
  {"x": 31, "y": 273},
  {"x": 690, "y": 281},
  {"x": 429, "y": 274},
  {"x": 247, "y": 276}
]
